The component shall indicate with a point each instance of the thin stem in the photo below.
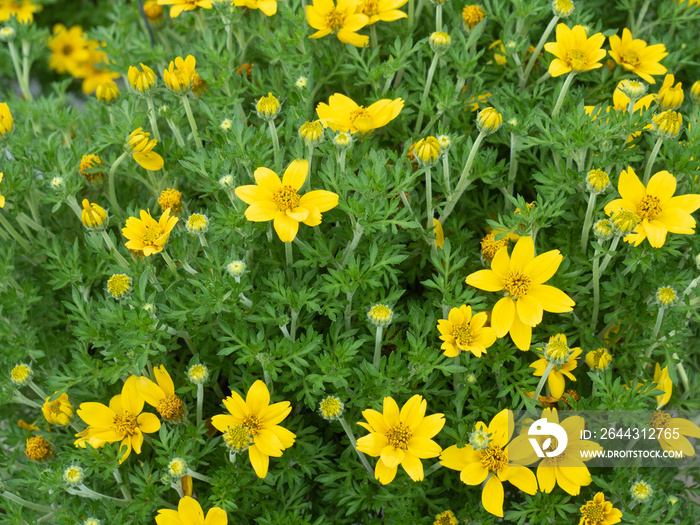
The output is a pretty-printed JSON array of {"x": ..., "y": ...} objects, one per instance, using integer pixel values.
[
  {"x": 170, "y": 263},
  {"x": 681, "y": 372},
  {"x": 118, "y": 256},
  {"x": 26, "y": 66},
  {"x": 176, "y": 132},
  {"x": 275, "y": 140},
  {"x": 426, "y": 91},
  {"x": 353, "y": 442},
  {"x": 596, "y": 290},
  {"x": 640, "y": 17},
  {"x": 245, "y": 301},
  {"x": 562, "y": 93},
  {"x": 25, "y": 503},
  {"x": 587, "y": 222},
  {"x": 456, "y": 377},
  {"x": 15, "y": 234},
  {"x": 378, "y": 346},
  {"x": 652, "y": 158},
  {"x": 18, "y": 71},
  {"x": 38, "y": 391},
  {"x": 200, "y": 401},
  {"x": 609, "y": 255},
  {"x": 411, "y": 12},
  {"x": 112, "y": 193},
  {"x": 289, "y": 255},
  {"x": 358, "y": 230},
  {"x": 446, "y": 172},
  {"x": 153, "y": 118},
  {"x": 348, "y": 310},
  {"x": 197, "y": 475},
  {"x": 543, "y": 379},
  {"x": 373, "y": 36},
  {"x": 513, "y": 167},
  {"x": 125, "y": 490},
  {"x": 538, "y": 48},
  {"x": 190, "y": 118},
  {"x": 659, "y": 319},
  {"x": 463, "y": 182},
  {"x": 438, "y": 17}
]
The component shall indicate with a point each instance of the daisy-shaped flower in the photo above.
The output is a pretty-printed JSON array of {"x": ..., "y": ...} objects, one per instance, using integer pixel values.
[
  {"x": 486, "y": 459},
  {"x": 342, "y": 114},
  {"x": 180, "y": 74},
  {"x": 189, "y": 512},
  {"x": 140, "y": 145},
  {"x": 341, "y": 19},
  {"x": 400, "y": 437},
  {"x": 575, "y": 51},
  {"x": 658, "y": 210},
  {"x": 146, "y": 235},
  {"x": 7, "y": 123},
  {"x": 268, "y": 7},
  {"x": 161, "y": 395},
  {"x": 253, "y": 424},
  {"x": 121, "y": 421},
  {"x": 178, "y": 6},
  {"x": 463, "y": 332},
  {"x": 381, "y": 10},
  {"x": 563, "y": 359},
  {"x": 599, "y": 512},
  {"x": 522, "y": 276},
  {"x": 567, "y": 469},
  {"x": 278, "y": 200},
  {"x": 673, "y": 432},
  {"x": 23, "y": 9},
  {"x": 636, "y": 56}
]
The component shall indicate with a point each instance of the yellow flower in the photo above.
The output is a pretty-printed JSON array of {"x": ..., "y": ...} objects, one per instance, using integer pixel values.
[
  {"x": 7, "y": 123},
  {"x": 268, "y": 7},
  {"x": 666, "y": 296},
  {"x": 488, "y": 458},
  {"x": 93, "y": 216},
  {"x": 400, "y": 438},
  {"x": 384, "y": 10},
  {"x": 331, "y": 408},
  {"x": 197, "y": 224},
  {"x": 107, "y": 92},
  {"x": 344, "y": 115},
  {"x": 446, "y": 518},
  {"x": 121, "y": 421},
  {"x": 575, "y": 51},
  {"x": 489, "y": 120},
  {"x": 490, "y": 246},
  {"x": 59, "y": 411},
  {"x": 180, "y": 75},
  {"x": 641, "y": 491},
  {"x": 170, "y": 199},
  {"x": 660, "y": 212},
  {"x": 564, "y": 358},
  {"x": 143, "y": 81},
  {"x": 140, "y": 145},
  {"x": 439, "y": 42},
  {"x": 68, "y": 49},
  {"x": 341, "y": 20},
  {"x": 472, "y": 15},
  {"x": 599, "y": 512},
  {"x": 161, "y": 395},
  {"x": 278, "y": 200},
  {"x": 667, "y": 124},
  {"x": 599, "y": 359},
  {"x": 268, "y": 107},
  {"x": 621, "y": 100},
  {"x": 38, "y": 449},
  {"x": 119, "y": 285},
  {"x": 21, "y": 374},
  {"x": 189, "y": 511},
  {"x": 636, "y": 56},
  {"x": 261, "y": 422},
  {"x": 522, "y": 276},
  {"x": 671, "y": 432},
  {"x": 148, "y": 235},
  {"x": 670, "y": 96},
  {"x": 153, "y": 11},
  {"x": 427, "y": 151},
  {"x": 2, "y": 197},
  {"x": 499, "y": 54},
  {"x": 178, "y": 6},
  {"x": 662, "y": 382},
  {"x": 311, "y": 132},
  {"x": 463, "y": 332},
  {"x": 23, "y": 9},
  {"x": 380, "y": 315},
  {"x": 695, "y": 92}
]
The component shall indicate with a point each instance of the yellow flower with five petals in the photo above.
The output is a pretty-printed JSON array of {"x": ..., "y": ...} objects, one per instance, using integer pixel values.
[
  {"x": 462, "y": 331},
  {"x": 342, "y": 114}
]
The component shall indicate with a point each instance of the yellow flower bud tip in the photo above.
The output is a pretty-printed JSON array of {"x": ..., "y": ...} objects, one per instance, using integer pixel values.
[
  {"x": 7, "y": 34},
  {"x": 7, "y": 123},
  {"x": 472, "y": 15},
  {"x": 556, "y": 351},
  {"x": 236, "y": 268},
  {"x": 446, "y": 518},
  {"x": 119, "y": 285},
  {"x": 695, "y": 92},
  {"x": 140, "y": 141},
  {"x": 444, "y": 141},
  {"x": 427, "y": 151},
  {"x": 634, "y": 89},
  {"x": 380, "y": 315},
  {"x": 59, "y": 411},
  {"x": 170, "y": 199},
  {"x": 107, "y": 92},
  {"x": 311, "y": 132},
  {"x": 88, "y": 166},
  {"x": 238, "y": 438},
  {"x": 38, "y": 449},
  {"x": 73, "y": 475},
  {"x": 670, "y": 96},
  {"x": 667, "y": 124},
  {"x": 562, "y": 8},
  {"x": 93, "y": 216},
  {"x": 672, "y": 500},
  {"x": 163, "y": 110},
  {"x": 301, "y": 82},
  {"x": 598, "y": 359},
  {"x": 150, "y": 309},
  {"x": 197, "y": 224},
  {"x": 21, "y": 374},
  {"x": 666, "y": 296},
  {"x": 57, "y": 183},
  {"x": 268, "y": 107},
  {"x": 603, "y": 229},
  {"x": 597, "y": 181},
  {"x": 331, "y": 408},
  {"x": 142, "y": 82},
  {"x": 513, "y": 122},
  {"x": 177, "y": 468},
  {"x": 342, "y": 140},
  {"x": 439, "y": 42},
  {"x": 226, "y": 124},
  {"x": 153, "y": 11},
  {"x": 641, "y": 491},
  {"x": 471, "y": 379},
  {"x": 479, "y": 440},
  {"x": 198, "y": 374},
  {"x": 226, "y": 181},
  {"x": 489, "y": 120},
  {"x": 624, "y": 221},
  {"x": 179, "y": 76}
]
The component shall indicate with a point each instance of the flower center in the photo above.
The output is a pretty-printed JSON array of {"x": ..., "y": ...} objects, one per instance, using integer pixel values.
[
  {"x": 286, "y": 198},
  {"x": 124, "y": 424},
  {"x": 152, "y": 234},
  {"x": 370, "y": 7},
  {"x": 238, "y": 438},
  {"x": 55, "y": 407},
  {"x": 463, "y": 335},
  {"x": 334, "y": 20},
  {"x": 660, "y": 420},
  {"x": 67, "y": 49},
  {"x": 494, "y": 458},
  {"x": 593, "y": 513},
  {"x": 631, "y": 58},
  {"x": 171, "y": 408},
  {"x": 577, "y": 59},
  {"x": 361, "y": 119},
  {"x": 598, "y": 355},
  {"x": 253, "y": 424},
  {"x": 399, "y": 436},
  {"x": 649, "y": 207},
  {"x": 517, "y": 284}
]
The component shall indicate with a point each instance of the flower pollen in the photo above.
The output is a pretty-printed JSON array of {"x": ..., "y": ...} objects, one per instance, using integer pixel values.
[
  {"x": 238, "y": 438},
  {"x": 463, "y": 335},
  {"x": 253, "y": 424},
  {"x": 649, "y": 208},
  {"x": 517, "y": 283},
  {"x": 399, "y": 436},
  {"x": 124, "y": 424},
  {"x": 286, "y": 198},
  {"x": 171, "y": 408},
  {"x": 494, "y": 458}
]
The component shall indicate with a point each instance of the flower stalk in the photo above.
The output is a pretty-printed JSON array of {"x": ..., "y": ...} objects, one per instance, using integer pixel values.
[
  {"x": 463, "y": 182},
  {"x": 562, "y": 93},
  {"x": 651, "y": 160},
  {"x": 426, "y": 91},
  {"x": 538, "y": 48},
  {"x": 587, "y": 221},
  {"x": 275, "y": 141},
  {"x": 125, "y": 490},
  {"x": 153, "y": 118},
  {"x": 543, "y": 380},
  {"x": 118, "y": 256},
  {"x": 378, "y": 346},
  {"x": 190, "y": 118},
  {"x": 25, "y": 503},
  {"x": 112, "y": 193},
  {"x": 353, "y": 442}
]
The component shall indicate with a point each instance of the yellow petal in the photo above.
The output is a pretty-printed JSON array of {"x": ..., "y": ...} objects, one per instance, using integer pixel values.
[
  {"x": 258, "y": 398},
  {"x": 413, "y": 466},
  {"x": 216, "y": 516},
  {"x": 630, "y": 187},
  {"x": 164, "y": 381},
  {"x": 321, "y": 199},
  {"x": 492, "y": 496},
  {"x": 486, "y": 280},
  {"x": 372, "y": 444},
  {"x": 295, "y": 174},
  {"x": 523, "y": 253},
  {"x": 260, "y": 461},
  {"x": 521, "y": 334},
  {"x": 286, "y": 227},
  {"x": 149, "y": 160},
  {"x": 391, "y": 412},
  {"x": 552, "y": 299},
  {"x": 503, "y": 316},
  {"x": 384, "y": 474},
  {"x": 190, "y": 510},
  {"x": 544, "y": 266},
  {"x": 267, "y": 179}
]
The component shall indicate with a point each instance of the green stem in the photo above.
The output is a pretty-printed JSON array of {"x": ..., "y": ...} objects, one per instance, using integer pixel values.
[
  {"x": 358, "y": 231},
  {"x": 348, "y": 310},
  {"x": 125, "y": 490},
  {"x": 457, "y": 376},
  {"x": 112, "y": 193},
  {"x": 153, "y": 118},
  {"x": 429, "y": 197},
  {"x": 378, "y": 346},
  {"x": 353, "y": 442},
  {"x": 543, "y": 379},
  {"x": 538, "y": 48},
  {"x": 652, "y": 158},
  {"x": 25, "y": 503},
  {"x": 426, "y": 91},
  {"x": 190, "y": 118},
  {"x": 26, "y": 67},
  {"x": 562, "y": 93},
  {"x": 18, "y": 71},
  {"x": 289, "y": 255},
  {"x": 446, "y": 172},
  {"x": 200, "y": 402},
  {"x": 640, "y": 17},
  {"x": 15, "y": 234},
  {"x": 176, "y": 132},
  {"x": 659, "y": 320},
  {"x": 587, "y": 222},
  {"x": 438, "y": 17},
  {"x": 513, "y": 168},
  {"x": 373, "y": 36},
  {"x": 411, "y": 12},
  {"x": 609, "y": 255},
  {"x": 275, "y": 140},
  {"x": 118, "y": 256},
  {"x": 596, "y": 290},
  {"x": 170, "y": 263},
  {"x": 463, "y": 182},
  {"x": 682, "y": 373},
  {"x": 200, "y": 477}
]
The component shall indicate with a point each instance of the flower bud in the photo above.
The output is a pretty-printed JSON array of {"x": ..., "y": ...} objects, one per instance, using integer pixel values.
[
  {"x": 93, "y": 216},
  {"x": 427, "y": 151},
  {"x": 624, "y": 221},
  {"x": 641, "y": 491},
  {"x": 311, "y": 132},
  {"x": 7, "y": 34},
  {"x": 670, "y": 96},
  {"x": 380, "y": 315},
  {"x": 142, "y": 82},
  {"x": 73, "y": 475},
  {"x": 342, "y": 140},
  {"x": 89, "y": 163},
  {"x": 666, "y": 296},
  {"x": 301, "y": 82},
  {"x": 597, "y": 181},
  {"x": 667, "y": 124},
  {"x": 21, "y": 374},
  {"x": 226, "y": 181},
  {"x": 598, "y": 359},
  {"x": 479, "y": 440},
  {"x": 556, "y": 351},
  {"x": 445, "y": 142},
  {"x": 226, "y": 124},
  {"x": 439, "y": 42},
  {"x": 119, "y": 285},
  {"x": 236, "y": 268},
  {"x": 179, "y": 76},
  {"x": 562, "y": 8},
  {"x": 107, "y": 92},
  {"x": 197, "y": 224},
  {"x": 268, "y": 107},
  {"x": 170, "y": 199},
  {"x": 177, "y": 468},
  {"x": 634, "y": 89},
  {"x": 38, "y": 449},
  {"x": 59, "y": 411},
  {"x": 603, "y": 229},
  {"x": 472, "y": 15},
  {"x": 7, "y": 124},
  {"x": 153, "y": 12},
  {"x": 695, "y": 93},
  {"x": 198, "y": 374},
  {"x": 57, "y": 183},
  {"x": 488, "y": 121},
  {"x": 331, "y": 408}
]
